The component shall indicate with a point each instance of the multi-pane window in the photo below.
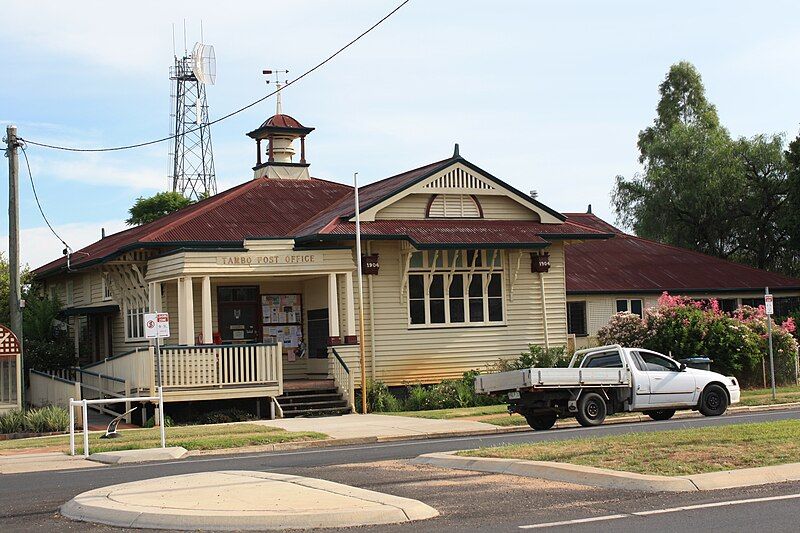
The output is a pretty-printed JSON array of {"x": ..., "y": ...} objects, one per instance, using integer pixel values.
[
  {"x": 134, "y": 322},
  {"x": 105, "y": 288},
  {"x": 455, "y": 287},
  {"x": 576, "y": 318},
  {"x": 633, "y": 306}
]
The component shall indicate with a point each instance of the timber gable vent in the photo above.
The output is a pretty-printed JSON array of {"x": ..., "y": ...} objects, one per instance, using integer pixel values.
[
  {"x": 458, "y": 178},
  {"x": 454, "y": 206}
]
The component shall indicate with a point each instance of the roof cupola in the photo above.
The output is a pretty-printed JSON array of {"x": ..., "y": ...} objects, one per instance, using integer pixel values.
[{"x": 280, "y": 132}]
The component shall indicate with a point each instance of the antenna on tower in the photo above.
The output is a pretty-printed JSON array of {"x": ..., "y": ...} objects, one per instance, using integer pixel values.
[
  {"x": 192, "y": 159},
  {"x": 277, "y": 73}
]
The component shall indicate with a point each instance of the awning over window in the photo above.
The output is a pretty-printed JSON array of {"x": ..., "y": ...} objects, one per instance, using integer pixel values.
[{"x": 95, "y": 310}]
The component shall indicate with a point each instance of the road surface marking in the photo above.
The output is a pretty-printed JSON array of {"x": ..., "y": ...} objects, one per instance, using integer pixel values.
[
  {"x": 663, "y": 511},
  {"x": 572, "y": 522}
]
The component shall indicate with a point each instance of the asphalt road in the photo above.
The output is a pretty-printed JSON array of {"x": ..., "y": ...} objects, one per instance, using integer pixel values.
[{"x": 467, "y": 501}]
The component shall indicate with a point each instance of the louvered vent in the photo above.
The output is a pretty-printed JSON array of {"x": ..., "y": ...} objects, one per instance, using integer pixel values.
[
  {"x": 458, "y": 179},
  {"x": 454, "y": 206}
]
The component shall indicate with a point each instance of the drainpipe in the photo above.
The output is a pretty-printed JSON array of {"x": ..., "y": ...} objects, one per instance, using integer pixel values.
[{"x": 371, "y": 318}]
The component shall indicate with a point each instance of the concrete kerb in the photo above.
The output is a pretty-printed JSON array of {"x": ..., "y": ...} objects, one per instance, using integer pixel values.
[
  {"x": 228, "y": 500},
  {"x": 144, "y": 455},
  {"x": 615, "y": 479}
]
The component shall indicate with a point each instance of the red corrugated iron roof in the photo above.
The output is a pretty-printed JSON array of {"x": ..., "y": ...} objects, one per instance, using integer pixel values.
[
  {"x": 628, "y": 263},
  {"x": 476, "y": 233},
  {"x": 257, "y": 208},
  {"x": 304, "y": 209},
  {"x": 282, "y": 121}
]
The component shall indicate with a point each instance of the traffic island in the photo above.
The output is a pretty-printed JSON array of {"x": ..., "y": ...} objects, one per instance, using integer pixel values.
[
  {"x": 615, "y": 479},
  {"x": 144, "y": 455},
  {"x": 233, "y": 499},
  {"x": 714, "y": 457}
]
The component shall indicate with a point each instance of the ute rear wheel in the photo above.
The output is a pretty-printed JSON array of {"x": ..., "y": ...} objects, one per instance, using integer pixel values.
[
  {"x": 714, "y": 401},
  {"x": 541, "y": 421},
  {"x": 661, "y": 414},
  {"x": 591, "y": 410}
]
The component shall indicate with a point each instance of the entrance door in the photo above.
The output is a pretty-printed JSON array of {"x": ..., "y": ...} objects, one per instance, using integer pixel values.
[
  {"x": 317, "y": 342},
  {"x": 318, "y": 334},
  {"x": 238, "y": 314}
]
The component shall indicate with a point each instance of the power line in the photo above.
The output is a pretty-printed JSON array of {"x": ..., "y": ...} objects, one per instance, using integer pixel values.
[
  {"x": 36, "y": 197},
  {"x": 229, "y": 115}
]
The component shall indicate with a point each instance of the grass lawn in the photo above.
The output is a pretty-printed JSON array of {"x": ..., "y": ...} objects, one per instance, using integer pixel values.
[
  {"x": 460, "y": 412},
  {"x": 210, "y": 437},
  {"x": 764, "y": 396},
  {"x": 669, "y": 453}
]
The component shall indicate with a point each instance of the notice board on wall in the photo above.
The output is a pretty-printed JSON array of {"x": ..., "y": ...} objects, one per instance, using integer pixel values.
[{"x": 282, "y": 318}]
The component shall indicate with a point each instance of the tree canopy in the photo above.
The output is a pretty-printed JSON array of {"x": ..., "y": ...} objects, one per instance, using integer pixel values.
[
  {"x": 703, "y": 190},
  {"x": 149, "y": 209}
]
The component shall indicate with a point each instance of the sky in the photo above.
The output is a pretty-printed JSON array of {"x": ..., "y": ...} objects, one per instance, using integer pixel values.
[{"x": 548, "y": 96}]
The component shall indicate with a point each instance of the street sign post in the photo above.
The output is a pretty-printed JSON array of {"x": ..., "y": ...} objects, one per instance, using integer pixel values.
[
  {"x": 156, "y": 327},
  {"x": 769, "y": 307}
]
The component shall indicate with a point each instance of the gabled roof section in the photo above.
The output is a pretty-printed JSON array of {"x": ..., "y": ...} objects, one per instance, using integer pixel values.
[
  {"x": 376, "y": 195},
  {"x": 630, "y": 264},
  {"x": 464, "y": 176}
]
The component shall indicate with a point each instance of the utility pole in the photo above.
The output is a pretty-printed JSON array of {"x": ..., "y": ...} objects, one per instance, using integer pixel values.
[{"x": 15, "y": 309}]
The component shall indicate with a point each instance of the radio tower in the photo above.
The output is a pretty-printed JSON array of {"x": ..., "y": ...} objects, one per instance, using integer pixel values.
[{"x": 192, "y": 172}]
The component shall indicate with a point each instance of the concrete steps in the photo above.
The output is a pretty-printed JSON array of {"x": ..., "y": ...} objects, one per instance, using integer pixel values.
[{"x": 322, "y": 400}]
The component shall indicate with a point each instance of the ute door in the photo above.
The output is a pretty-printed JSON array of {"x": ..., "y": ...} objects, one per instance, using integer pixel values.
[
  {"x": 641, "y": 381},
  {"x": 669, "y": 385}
]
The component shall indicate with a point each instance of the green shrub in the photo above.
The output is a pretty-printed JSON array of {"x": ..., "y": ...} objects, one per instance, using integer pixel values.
[
  {"x": 12, "y": 422},
  {"x": 224, "y": 416},
  {"x": 39, "y": 420},
  {"x": 151, "y": 422},
  {"x": 536, "y": 356},
  {"x": 47, "y": 419},
  {"x": 49, "y": 354},
  {"x": 380, "y": 400}
]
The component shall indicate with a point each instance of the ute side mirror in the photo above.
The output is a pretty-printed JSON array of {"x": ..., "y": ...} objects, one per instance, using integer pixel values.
[{"x": 682, "y": 367}]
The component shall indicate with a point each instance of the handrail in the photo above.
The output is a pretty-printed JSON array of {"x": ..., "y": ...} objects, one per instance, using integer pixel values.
[
  {"x": 194, "y": 346},
  {"x": 123, "y": 354},
  {"x": 98, "y": 374},
  {"x": 57, "y": 378},
  {"x": 341, "y": 361}
]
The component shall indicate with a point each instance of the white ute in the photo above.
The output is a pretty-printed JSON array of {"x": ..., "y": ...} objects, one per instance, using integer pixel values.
[{"x": 610, "y": 379}]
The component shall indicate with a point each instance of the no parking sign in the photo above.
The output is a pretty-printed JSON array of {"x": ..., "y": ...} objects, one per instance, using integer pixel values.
[{"x": 156, "y": 325}]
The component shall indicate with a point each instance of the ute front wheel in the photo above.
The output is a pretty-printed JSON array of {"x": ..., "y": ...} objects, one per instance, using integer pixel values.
[
  {"x": 541, "y": 421},
  {"x": 591, "y": 410},
  {"x": 714, "y": 401}
]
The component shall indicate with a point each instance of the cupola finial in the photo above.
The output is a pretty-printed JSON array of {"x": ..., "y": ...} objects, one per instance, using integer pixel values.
[{"x": 455, "y": 151}]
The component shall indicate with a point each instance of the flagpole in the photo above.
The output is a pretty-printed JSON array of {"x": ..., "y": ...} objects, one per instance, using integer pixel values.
[{"x": 360, "y": 300}]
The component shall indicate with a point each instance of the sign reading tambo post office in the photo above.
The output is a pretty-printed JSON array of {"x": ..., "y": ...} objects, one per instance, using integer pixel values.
[
  {"x": 273, "y": 259},
  {"x": 156, "y": 325}
]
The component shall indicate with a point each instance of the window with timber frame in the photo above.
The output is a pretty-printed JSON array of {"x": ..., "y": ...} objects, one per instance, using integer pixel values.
[
  {"x": 455, "y": 288},
  {"x": 134, "y": 322}
]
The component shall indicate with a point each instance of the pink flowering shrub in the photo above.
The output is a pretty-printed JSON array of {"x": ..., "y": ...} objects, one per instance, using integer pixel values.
[
  {"x": 626, "y": 329},
  {"x": 684, "y": 327},
  {"x": 784, "y": 345}
]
